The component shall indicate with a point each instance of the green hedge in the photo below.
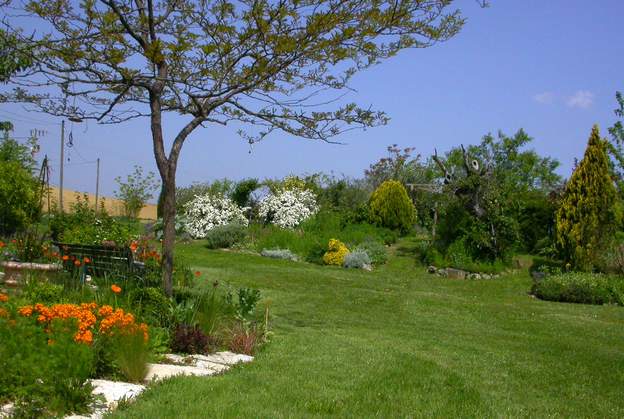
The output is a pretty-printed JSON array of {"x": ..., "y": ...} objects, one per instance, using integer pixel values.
[{"x": 578, "y": 287}]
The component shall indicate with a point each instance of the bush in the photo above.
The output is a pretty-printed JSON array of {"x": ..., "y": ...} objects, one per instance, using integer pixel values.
[
  {"x": 578, "y": 287},
  {"x": 43, "y": 372},
  {"x": 391, "y": 207},
  {"x": 279, "y": 254},
  {"x": 288, "y": 208},
  {"x": 151, "y": 305},
  {"x": 206, "y": 212},
  {"x": 41, "y": 291},
  {"x": 336, "y": 252},
  {"x": 357, "y": 259},
  {"x": 82, "y": 225},
  {"x": 547, "y": 266},
  {"x": 376, "y": 251},
  {"x": 189, "y": 339},
  {"x": 20, "y": 192},
  {"x": 225, "y": 236}
]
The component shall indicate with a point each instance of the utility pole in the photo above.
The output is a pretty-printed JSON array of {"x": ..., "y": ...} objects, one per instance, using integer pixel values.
[
  {"x": 62, "y": 163},
  {"x": 97, "y": 184}
]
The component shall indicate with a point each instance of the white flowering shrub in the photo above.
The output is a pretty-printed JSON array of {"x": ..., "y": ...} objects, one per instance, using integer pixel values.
[
  {"x": 205, "y": 212},
  {"x": 288, "y": 208}
]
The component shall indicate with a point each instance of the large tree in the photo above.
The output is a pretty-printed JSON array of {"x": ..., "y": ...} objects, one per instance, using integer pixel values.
[{"x": 260, "y": 64}]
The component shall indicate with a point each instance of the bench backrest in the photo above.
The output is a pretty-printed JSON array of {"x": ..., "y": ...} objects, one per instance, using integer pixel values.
[{"x": 103, "y": 259}]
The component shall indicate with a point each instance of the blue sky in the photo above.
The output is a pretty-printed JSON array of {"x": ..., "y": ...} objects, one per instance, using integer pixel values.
[{"x": 550, "y": 67}]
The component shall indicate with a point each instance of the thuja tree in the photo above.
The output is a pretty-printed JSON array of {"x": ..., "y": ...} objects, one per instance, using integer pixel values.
[
  {"x": 260, "y": 64},
  {"x": 586, "y": 219}
]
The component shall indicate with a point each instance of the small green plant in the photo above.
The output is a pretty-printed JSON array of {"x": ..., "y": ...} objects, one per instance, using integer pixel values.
[
  {"x": 226, "y": 236},
  {"x": 39, "y": 290},
  {"x": 247, "y": 300}
]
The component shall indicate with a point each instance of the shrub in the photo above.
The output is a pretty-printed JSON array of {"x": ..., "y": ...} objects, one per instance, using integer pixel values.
[
  {"x": 152, "y": 305},
  {"x": 41, "y": 291},
  {"x": 45, "y": 373},
  {"x": 225, "y": 236},
  {"x": 288, "y": 208},
  {"x": 357, "y": 259},
  {"x": 20, "y": 192},
  {"x": 587, "y": 215},
  {"x": 391, "y": 207},
  {"x": 547, "y": 266},
  {"x": 243, "y": 190},
  {"x": 247, "y": 300},
  {"x": 579, "y": 287},
  {"x": 279, "y": 254},
  {"x": 376, "y": 251},
  {"x": 205, "y": 212},
  {"x": 336, "y": 252},
  {"x": 189, "y": 339}
]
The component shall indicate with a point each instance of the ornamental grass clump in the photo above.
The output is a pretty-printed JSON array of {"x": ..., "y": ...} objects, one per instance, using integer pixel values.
[
  {"x": 336, "y": 252},
  {"x": 206, "y": 212}
]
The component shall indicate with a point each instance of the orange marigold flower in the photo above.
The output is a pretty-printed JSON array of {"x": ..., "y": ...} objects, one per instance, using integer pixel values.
[
  {"x": 2, "y": 244},
  {"x": 26, "y": 311},
  {"x": 77, "y": 262},
  {"x": 4, "y": 298},
  {"x": 87, "y": 260},
  {"x": 116, "y": 289},
  {"x": 134, "y": 246},
  {"x": 197, "y": 273},
  {"x": 65, "y": 257},
  {"x": 105, "y": 311},
  {"x": 3, "y": 312}
]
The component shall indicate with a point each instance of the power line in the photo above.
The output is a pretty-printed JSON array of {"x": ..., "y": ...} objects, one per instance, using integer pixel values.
[{"x": 40, "y": 121}]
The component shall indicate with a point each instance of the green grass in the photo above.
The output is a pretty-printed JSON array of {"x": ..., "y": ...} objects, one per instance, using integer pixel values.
[{"x": 398, "y": 342}]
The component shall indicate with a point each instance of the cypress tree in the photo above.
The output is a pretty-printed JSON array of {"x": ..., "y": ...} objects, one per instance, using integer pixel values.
[{"x": 586, "y": 220}]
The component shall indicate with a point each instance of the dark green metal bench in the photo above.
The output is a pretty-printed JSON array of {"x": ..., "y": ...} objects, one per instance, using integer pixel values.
[{"x": 103, "y": 260}]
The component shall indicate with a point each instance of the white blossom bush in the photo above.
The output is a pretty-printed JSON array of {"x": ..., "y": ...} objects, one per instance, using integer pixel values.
[
  {"x": 288, "y": 208},
  {"x": 204, "y": 212}
]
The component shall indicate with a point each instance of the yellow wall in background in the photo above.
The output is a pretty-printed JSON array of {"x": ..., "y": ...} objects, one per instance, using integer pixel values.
[{"x": 113, "y": 206}]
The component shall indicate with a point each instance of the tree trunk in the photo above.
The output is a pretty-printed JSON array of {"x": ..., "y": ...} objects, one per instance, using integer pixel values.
[{"x": 169, "y": 233}]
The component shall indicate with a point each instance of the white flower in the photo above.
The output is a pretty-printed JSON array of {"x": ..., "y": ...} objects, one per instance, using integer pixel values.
[
  {"x": 205, "y": 212},
  {"x": 288, "y": 208}
]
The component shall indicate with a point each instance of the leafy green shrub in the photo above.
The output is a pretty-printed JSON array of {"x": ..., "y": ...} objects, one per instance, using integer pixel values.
[
  {"x": 547, "y": 266},
  {"x": 279, "y": 254},
  {"x": 579, "y": 287},
  {"x": 391, "y": 207},
  {"x": 43, "y": 372},
  {"x": 247, "y": 300},
  {"x": 226, "y": 236},
  {"x": 376, "y": 251},
  {"x": 136, "y": 191},
  {"x": 37, "y": 290},
  {"x": 151, "y": 305},
  {"x": 358, "y": 259},
  {"x": 457, "y": 255},
  {"x": 82, "y": 225},
  {"x": 20, "y": 192}
]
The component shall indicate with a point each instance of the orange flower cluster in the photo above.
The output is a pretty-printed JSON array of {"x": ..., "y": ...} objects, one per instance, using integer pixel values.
[
  {"x": 89, "y": 318},
  {"x": 143, "y": 251},
  {"x": 118, "y": 321},
  {"x": 4, "y": 298}
]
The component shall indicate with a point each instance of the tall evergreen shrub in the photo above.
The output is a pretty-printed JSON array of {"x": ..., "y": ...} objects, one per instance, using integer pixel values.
[
  {"x": 391, "y": 207},
  {"x": 586, "y": 220}
]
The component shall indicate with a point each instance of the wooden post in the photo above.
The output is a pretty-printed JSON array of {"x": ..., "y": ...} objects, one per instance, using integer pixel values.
[
  {"x": 97, "y": 184},
  {"x": 62, "y": 163}
]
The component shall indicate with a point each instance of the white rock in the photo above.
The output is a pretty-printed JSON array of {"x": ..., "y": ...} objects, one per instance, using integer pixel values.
[
  {"x": 113, "y": 391},
  {"x": 6, "y": 410},
  {"x": 226, "y": 358},
  {"x": 160, "y": 371}
]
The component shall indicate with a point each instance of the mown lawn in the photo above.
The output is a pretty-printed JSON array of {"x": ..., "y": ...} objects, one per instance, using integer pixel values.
[{"x": 398, "y": 342}]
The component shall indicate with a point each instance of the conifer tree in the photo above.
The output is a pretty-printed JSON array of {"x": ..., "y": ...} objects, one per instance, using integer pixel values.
[{"x": 586, "y": 219}]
